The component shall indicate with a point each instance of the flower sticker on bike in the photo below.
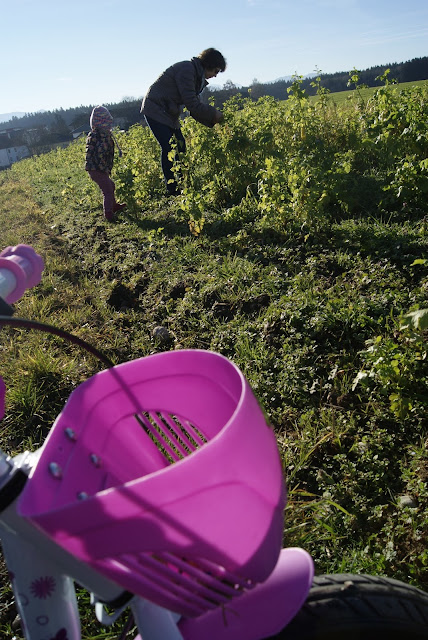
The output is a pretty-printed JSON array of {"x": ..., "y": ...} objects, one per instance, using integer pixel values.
[
  {"x": 61, "y": 635},
  {"x": 43, "y": 588}
]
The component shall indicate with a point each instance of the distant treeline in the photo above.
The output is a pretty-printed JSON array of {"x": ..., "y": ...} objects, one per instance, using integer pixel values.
[
  {"x": 411, "y": 71},
  {"x": 74, "y": 117},
  {"x": 129, "y": 108}
]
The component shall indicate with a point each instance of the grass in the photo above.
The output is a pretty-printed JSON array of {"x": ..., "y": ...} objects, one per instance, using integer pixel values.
[{"x": 300, "y": 309}]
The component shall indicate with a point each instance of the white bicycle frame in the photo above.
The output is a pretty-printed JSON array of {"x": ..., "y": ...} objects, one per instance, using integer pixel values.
[{"x": 43, "y": 575}]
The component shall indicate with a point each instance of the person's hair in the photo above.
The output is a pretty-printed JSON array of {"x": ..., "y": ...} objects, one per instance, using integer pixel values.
[{"x": 212, "y": 59}]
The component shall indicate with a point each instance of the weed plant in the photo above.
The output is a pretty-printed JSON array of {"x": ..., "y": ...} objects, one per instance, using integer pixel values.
[{"x": 298, "y": 249}]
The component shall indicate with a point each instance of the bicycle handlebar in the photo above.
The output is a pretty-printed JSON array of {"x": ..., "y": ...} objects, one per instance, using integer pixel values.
[{"x": 20, "y": 268}]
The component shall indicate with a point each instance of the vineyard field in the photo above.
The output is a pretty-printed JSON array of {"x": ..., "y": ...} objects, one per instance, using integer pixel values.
[{"x": 298, "y": 249}]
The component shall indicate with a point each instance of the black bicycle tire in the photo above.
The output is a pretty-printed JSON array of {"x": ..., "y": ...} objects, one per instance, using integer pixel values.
[{"x": 360, "y": 607}]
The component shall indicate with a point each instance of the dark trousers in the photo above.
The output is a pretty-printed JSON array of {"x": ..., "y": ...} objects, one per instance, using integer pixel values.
[{"x": 163, "y": 134}]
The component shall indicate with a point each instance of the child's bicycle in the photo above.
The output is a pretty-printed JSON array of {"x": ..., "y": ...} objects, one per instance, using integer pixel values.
[{"x": 160, "y": 490}]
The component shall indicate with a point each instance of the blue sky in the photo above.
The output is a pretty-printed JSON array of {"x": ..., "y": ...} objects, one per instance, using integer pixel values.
[{"x": 56, "y": 53}]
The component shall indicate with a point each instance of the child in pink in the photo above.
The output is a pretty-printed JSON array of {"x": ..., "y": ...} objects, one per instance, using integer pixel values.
[{"x": 100, "y": 157}]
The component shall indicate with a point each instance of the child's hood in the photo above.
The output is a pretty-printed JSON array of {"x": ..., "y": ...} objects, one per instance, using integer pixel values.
[{"x": 101, "y": 117}]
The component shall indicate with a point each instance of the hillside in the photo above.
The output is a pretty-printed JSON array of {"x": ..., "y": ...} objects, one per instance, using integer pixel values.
[
  {"x": 7, "y": 117},
  {"x": 298, "y": 249}
]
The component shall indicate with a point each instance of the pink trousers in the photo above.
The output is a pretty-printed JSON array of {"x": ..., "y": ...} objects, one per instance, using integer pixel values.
[{"x": 107, "y": 186}]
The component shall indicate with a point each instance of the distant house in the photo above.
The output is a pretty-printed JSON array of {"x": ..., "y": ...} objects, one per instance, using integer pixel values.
[
  {"x": 11, "y": 132},
  {"x": 81, "y": 131},
  {"x": 13, "y": 154}
]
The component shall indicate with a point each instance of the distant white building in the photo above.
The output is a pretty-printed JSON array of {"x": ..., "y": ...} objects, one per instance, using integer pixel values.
[{"x": 13, "y": 154}]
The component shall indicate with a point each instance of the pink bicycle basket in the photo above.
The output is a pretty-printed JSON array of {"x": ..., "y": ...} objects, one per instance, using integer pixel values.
[{"x": 162, "y": 474}]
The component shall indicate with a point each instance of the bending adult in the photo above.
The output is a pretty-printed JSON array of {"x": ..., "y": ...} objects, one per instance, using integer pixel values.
[{"x": 180, "y": 85}]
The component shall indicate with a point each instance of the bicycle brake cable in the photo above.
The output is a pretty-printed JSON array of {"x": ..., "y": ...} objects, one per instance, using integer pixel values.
[{"x": 47, "y": 328}]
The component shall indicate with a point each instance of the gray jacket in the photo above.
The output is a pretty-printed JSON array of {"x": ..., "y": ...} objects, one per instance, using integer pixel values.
[{"x": 179, "y": 85}]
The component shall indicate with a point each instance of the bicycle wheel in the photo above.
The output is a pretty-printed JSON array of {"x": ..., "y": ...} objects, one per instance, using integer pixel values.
[{"x": 360, "y": 607}]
